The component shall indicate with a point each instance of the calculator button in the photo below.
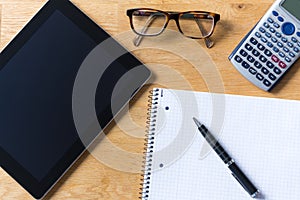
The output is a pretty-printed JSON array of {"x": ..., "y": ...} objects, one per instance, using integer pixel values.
[
  {"x": 268, "y": 53},
  {"x": 284, "y": 40},
  {"x": 243, "y": 53},
  {"x": 263, "y": 59},
  {"x": 252, "y": 70},
  {"x": 290, "y": 44},
  {"x": 275, "y": 13},
  {"x": 278, "y": 35},
  {"x": 270, "y": 20},
  {"x": 294, "y": 39},
  {"x": 255, "y": 53},
  {"x": 268, "y": 35},
  {"x": 250, "y": 59},
  {"x": 264, "y": 40},
  {"x": 257, "y": 34},
  {"x": 287, "y": 59},
  {"x": 280, "y": 44},
  {"x": 281, "y": 54},
  {"x": 270, "y": 65},
  {"x": 262, "y": 30},
  {"x": 288, "y": 28},
  {"x": 296, "y": 50},
  {"x": 266, "y": 25},
  {"x": 282, "y": 64},
  {"x": 298, "y": 44},
  {"x": 276, "y": 49},
  {"x": 253, "y": 41},
  {"x": 286, "y": 49},
  {"x": 238, "y": 59},
  {"x": 267, "y": 83},
  {"x": 292, "y": 55},
  {"x": 245, "y": 65},
  {"x": 277, "y": 71},
  {"x": 272, "y": 77},
  {"x": 257, "y": 65},
  {"x": 298, "y": 34},
  {"x": 274, "y": 39},
  {"x": 265, "y": 71},
  {"x": 275, "y": 59},
  {"x": 259, "y": 76},
  {"x": 272, "y": 30},
  {"x": 280, "y": 19},
  {"x": 248, "y": 47},
  {"x": 270, "y": 44},
  {"x": 260, "y": 47},
  {"x": 276, "y": 25}
]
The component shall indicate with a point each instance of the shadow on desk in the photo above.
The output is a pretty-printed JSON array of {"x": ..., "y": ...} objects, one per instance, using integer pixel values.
[{"x": 286, "y": 78}]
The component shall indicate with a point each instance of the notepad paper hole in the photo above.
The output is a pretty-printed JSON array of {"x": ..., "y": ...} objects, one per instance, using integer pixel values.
[
  {"x": 167, "y": 108},
  {"x": 161, "y": 165}
]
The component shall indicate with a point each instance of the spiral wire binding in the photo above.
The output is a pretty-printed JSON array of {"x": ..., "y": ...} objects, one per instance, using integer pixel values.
[{"x": 149, "y": 142}]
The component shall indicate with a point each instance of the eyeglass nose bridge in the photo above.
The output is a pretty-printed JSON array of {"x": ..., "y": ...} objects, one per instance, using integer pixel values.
[{"x": 173, "y": 16}]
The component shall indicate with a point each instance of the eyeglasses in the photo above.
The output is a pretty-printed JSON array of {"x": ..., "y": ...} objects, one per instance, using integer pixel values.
[{"x": 192, "y": 24}]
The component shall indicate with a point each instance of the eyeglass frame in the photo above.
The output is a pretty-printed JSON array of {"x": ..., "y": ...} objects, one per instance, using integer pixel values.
[{"x": 175, "y": 16}]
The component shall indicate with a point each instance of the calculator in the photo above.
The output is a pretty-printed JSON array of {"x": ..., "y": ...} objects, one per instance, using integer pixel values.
[{"x": 271, "y": 47}]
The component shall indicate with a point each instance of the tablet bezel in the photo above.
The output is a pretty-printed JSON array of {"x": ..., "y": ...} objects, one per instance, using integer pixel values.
[{"x": 39, "y": 188}]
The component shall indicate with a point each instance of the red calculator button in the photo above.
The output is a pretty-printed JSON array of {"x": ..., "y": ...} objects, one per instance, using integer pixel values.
[
  {"x": 282, "y": 64},
  {"x": 275, "y": 59}
]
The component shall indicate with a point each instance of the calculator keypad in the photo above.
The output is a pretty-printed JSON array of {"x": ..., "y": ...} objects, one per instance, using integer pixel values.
[{"x": 270, "y": 49}]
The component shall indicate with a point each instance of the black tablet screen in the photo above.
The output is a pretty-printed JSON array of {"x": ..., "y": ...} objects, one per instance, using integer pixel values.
[{"x": 36, "y": 85}]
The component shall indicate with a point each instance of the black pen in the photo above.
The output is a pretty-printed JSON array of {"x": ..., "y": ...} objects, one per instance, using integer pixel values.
[{"x": 235, "y": 170}]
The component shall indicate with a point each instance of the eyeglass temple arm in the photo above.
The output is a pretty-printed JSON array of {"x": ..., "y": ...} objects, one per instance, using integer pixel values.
[
  {"x": 138, "y": 39},
  {"x": 208, "y": 42}
]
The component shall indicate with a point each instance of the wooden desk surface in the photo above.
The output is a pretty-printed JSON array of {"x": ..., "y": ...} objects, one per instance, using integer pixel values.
[{"x": 90, "y": 178}]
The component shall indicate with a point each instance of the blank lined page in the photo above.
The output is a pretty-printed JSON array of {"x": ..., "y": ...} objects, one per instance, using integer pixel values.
[{"x": 262, "y": 135}]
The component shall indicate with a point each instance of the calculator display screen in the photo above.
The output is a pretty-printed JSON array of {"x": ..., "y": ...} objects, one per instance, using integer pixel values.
[{"x": 292, "y": 6}]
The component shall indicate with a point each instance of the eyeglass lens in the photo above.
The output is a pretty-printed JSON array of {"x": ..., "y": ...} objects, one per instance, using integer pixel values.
[
  {"x": 196, "y": 25},
  {"x": 148, "y": 22}
]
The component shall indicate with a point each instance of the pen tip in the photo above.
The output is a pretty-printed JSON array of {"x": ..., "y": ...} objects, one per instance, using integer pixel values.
[
  {"x": 197, "y": 122},
  {"x": 258, "y": 195}
]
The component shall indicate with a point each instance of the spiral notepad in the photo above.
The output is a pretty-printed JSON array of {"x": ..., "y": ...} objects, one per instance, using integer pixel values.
[{"x": 261, "y": 134}]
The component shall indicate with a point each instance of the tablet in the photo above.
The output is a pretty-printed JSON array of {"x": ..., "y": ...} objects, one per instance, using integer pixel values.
[{"x": 38, "y": 137}]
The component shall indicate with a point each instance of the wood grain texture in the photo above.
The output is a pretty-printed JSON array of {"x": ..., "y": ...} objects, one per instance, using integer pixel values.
[{"x": 115, "y": 173}]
